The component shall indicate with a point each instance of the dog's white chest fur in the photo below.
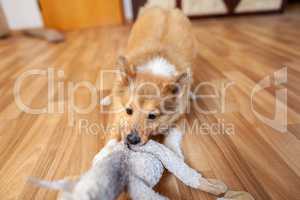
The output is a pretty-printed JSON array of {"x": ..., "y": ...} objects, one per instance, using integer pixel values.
[{"x": 158, "y": 66}]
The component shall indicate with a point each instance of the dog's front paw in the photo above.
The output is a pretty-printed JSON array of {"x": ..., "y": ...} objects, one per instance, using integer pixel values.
[{"x": 213, "y": 186}]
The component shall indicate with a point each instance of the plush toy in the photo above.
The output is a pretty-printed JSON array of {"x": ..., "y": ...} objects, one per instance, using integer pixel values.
[{"x": 136, "y": 169}]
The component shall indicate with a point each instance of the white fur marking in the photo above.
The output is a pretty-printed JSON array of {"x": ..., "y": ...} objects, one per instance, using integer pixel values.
[
  {"x": 158, "y": 66},
  {"x": 106, "y": 101}
]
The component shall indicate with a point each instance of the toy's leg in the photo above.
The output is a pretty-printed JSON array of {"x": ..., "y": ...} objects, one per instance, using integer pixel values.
[
  {"x": 181, "y": 170},
  {"x": 138, "y": 190},
  {"x": 212, "y": 186},
  {"x": 105, "y": 151},
  {"x": 237, "y": 195},
  {"x": 173, "y": 141}
]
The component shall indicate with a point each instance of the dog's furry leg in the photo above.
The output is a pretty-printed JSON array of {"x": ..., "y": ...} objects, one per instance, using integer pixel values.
[{"x": 173, "y": 141}]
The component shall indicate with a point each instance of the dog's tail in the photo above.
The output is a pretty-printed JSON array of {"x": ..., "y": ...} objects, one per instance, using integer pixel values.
[{"x": 62, "y": 185}]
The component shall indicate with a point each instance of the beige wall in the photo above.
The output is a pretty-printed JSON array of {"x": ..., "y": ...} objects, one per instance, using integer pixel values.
[
  {"x": 22, "y": 14},
  {"x": 258, "y": 5},
  {"x": 3, "y": 23}
]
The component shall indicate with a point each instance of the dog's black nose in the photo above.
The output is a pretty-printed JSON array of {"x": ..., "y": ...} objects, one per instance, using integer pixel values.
[{"x": 133, "y": 137}]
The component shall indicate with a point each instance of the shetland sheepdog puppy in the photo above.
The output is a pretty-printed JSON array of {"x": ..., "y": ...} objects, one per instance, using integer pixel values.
[{"x": 152, "y": 91}]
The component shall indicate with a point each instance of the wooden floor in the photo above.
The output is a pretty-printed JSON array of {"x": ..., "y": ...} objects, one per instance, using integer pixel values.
[{"x": 256, "y": 158}]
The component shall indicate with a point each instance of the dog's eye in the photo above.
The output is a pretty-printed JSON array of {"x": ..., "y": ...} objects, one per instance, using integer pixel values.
[
  {"x": 175, "y": 89},
  {"x": 151, "y": 116},
  {"x": 129, "y": 111}
]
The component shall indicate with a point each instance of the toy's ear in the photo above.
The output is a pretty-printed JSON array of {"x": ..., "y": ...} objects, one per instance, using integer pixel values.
[{"x": 126, "y": 72}]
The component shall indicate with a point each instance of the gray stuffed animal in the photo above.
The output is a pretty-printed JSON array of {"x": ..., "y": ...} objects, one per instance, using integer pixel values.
[{"x": 136, "y": 169}]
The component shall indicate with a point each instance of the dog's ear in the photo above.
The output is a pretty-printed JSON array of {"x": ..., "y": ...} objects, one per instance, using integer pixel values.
[
  {"x": 180, "y": 81},
  {"x": 126, "y": 72},
  {"x": 183, "y": 78}
]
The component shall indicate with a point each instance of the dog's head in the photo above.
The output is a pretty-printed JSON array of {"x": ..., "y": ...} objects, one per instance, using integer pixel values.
[{"x": 149, "y": 104}]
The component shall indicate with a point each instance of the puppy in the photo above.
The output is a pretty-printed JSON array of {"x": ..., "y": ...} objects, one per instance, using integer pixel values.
[{"x": 152, "y": 91}]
